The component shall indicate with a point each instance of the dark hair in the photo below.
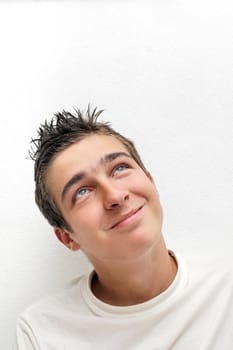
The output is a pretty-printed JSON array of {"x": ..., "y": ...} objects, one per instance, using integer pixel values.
[{"x": 63, "y": 130}]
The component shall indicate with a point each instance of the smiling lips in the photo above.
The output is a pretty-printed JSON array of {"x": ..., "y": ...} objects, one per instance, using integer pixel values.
[{"x": 126, "y": 219}]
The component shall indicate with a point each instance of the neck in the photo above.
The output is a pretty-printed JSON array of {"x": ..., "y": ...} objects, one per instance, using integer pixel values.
[{"x": 135, "y": 282}]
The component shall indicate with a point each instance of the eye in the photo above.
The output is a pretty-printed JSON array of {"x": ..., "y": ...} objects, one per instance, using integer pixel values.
[
  {"x": 81, "y": 193},
  {"x": 119, "y": 168}
]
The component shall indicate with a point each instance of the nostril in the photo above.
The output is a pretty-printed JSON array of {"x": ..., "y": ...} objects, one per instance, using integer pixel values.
[
  {"x": 113, "y": 198},
  {"x": 114, "y": 205}
]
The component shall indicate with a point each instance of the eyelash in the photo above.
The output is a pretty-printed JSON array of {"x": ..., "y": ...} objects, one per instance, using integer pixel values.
[
  {"x": 77, "y": 193},
  {"x": 124, "y": 165}
]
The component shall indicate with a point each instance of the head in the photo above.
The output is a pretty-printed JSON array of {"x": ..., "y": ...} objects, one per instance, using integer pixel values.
[{"x": 64, "y": 130}]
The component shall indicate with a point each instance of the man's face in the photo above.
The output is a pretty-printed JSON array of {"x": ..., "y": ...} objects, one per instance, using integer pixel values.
[{"x": 110, "y": 203}]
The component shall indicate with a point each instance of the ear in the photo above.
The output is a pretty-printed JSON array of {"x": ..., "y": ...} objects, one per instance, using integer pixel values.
[{"x": 65, "y": 238}]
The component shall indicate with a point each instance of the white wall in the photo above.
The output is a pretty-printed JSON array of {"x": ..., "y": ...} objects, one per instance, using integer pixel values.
[{"x": 163, "y": 71}]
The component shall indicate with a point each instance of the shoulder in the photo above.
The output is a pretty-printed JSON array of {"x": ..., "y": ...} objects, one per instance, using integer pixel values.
[
  {"x": 210, "y": 266},
  {"x": 54, "y": 303},
  {"x": 210, "y": 260},
  {"x": 47, "y": 318}
]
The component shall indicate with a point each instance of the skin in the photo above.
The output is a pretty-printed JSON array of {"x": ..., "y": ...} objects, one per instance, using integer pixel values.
[{"x": 115, "y": 215}]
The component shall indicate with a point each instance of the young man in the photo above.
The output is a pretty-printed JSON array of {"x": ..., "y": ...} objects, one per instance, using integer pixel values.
[{"x": 93, "y": 188}]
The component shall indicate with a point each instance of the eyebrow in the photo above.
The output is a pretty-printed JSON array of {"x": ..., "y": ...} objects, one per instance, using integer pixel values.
[{"x": 108, "y": 158}]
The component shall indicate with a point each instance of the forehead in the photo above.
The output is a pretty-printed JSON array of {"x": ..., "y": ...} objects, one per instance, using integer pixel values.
[
  {"x": 84, "y": 155},
  {"x": 88, "y": 151}
]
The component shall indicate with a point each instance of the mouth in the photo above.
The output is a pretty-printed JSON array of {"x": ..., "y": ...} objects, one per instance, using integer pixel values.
[{"x": 126, "y": 219}]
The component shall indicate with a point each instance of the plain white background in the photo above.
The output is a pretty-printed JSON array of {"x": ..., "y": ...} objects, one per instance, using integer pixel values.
[{"x": 163, "y": 72}]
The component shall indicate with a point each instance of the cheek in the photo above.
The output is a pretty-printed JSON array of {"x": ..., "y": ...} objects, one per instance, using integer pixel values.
[
  {"x": 144, "y": 186},
  {"x": 86, "y": 219}
]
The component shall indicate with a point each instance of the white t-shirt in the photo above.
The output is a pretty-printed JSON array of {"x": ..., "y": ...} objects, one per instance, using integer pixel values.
[{"x": 194, "y": 313}]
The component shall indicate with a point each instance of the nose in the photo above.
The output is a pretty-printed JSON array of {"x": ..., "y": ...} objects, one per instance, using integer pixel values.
[{"x": 114, "y": 197}]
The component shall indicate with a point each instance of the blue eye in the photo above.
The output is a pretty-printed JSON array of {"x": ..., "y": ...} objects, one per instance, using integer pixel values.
[
  {"x": 120, "y": 168},
  {"x": 81, "y": 192}
]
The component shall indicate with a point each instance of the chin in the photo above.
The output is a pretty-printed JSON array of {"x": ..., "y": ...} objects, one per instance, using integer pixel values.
[{"x": 143, "y": 241}]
